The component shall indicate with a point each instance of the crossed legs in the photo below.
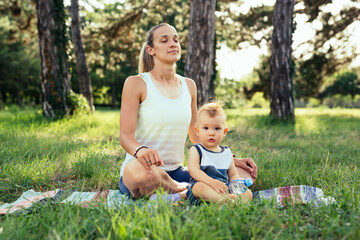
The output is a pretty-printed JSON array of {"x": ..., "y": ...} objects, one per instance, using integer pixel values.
[{"x": 203, "y": 191}]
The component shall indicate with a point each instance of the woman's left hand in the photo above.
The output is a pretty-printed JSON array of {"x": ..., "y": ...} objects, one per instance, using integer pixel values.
[{"x": 247, "y": 164}]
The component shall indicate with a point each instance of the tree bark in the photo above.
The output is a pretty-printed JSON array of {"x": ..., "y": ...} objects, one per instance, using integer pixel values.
[
  {"x": 200, "y": 53},
  {"x": 281, "y": 96},
  {"x": 81, "y": 66},
  {"x": 55, "y": 83}
]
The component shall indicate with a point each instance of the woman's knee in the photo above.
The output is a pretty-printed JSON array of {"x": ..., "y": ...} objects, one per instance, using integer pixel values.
[
  {"x": 244, "y": 174},
  {"x": 136, "y": 173}
]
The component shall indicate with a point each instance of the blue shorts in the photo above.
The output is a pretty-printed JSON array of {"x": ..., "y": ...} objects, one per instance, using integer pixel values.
[{"x": 181, "y": 174}]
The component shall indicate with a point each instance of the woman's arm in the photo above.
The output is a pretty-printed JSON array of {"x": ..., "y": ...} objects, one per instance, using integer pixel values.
[
  {"x": 192, "y": 89},
  {"x": 134, "y": 92},
  {"x": 201, "y": 176}
]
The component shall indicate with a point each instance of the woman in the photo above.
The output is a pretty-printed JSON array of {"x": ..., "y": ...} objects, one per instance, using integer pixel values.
[{"x": 158, "y": 110}]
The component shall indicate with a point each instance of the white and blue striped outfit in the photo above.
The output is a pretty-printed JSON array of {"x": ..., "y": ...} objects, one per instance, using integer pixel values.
[{"x": 214, "y": 164}]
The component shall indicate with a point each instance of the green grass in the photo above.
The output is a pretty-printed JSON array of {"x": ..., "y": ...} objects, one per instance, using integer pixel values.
[{"x": 321, "y": 149}]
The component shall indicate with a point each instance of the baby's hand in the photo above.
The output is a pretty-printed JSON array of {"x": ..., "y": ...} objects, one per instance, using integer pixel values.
[{"x": 219, "y": 186}]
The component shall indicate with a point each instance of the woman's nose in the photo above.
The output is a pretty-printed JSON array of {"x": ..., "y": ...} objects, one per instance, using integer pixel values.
[{"x": 173, "y": 43}]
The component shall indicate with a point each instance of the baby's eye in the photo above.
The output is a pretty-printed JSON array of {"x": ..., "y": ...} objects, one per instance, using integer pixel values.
[
  {"x": 206, "y": 128},
  {"x": 217, "y": 128}
]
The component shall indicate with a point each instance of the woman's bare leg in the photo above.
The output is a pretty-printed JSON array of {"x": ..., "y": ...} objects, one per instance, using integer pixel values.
[
  {"x": 141, "y": 183},
  {"x": 244, "y": 174}
]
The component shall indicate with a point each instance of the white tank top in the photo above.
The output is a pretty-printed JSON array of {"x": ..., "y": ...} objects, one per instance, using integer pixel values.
[{"x": 163, "y": 124}]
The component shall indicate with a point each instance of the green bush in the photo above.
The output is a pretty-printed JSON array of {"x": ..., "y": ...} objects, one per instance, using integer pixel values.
[
  {"x": 14, "y": 109},
  {"x": 78, "y": 104},
  {"x": 356, "y": 102},
  {"x": 342, "y": 101},
  {"x": 258, "y": 101},
  {"x": 313, "y": 102}
]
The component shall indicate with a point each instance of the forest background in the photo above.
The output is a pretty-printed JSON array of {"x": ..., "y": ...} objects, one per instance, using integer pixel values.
[{"x": 325, "y": 69}]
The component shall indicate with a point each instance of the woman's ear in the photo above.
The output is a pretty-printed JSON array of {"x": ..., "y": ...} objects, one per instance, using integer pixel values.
[
  {"x": 149, "y": 50},
  {"x": 197, "y": 130}
]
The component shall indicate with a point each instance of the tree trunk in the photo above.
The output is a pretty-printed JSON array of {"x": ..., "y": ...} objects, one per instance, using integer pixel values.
[
  {"x": 200, "y": 53},
  {"x": 281, "y": 97},
  {"x": 55, "y": 83},
  {"x": 81, "y": 66}
]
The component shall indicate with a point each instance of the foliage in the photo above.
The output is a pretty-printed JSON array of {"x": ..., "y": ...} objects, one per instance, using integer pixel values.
[
  {"x": 310, "y": 76},
  {"x": 113, "y": 32},
  {"x": 345, "y": 83},
  {"x": 78, "y": 104},
  {"x": 258, "y": 101},
  {"x": 313, "y": 102},
  {"x": 342, "y": 101},
  {"x": 19, "y": 66},
  {"x": 321, "y": 56},
  {"x": 83, "y": 154},
  {"x": 263, "y": 76},
  {"x": 229, "y": 91}
]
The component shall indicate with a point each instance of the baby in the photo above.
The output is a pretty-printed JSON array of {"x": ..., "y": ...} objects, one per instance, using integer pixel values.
[{"x": 211, "y": 166}]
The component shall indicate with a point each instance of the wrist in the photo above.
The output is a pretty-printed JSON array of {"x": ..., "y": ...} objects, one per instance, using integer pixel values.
[{"x": 137, "y": 150}]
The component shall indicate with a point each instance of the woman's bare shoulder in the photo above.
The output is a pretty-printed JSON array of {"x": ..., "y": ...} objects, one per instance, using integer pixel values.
[
  {"x": 191, "y": 84},
  {"x": 134, "y": 80},
  {"x": 135, "y": 86}
]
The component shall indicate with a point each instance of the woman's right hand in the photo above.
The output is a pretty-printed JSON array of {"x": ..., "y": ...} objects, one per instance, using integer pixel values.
[
  {"x": 148, "y": 157},
  {"x": 219, "y": 186}
]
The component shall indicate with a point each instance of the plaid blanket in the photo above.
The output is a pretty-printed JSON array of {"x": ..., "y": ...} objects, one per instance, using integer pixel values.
[{"x": 301, "y": 194}]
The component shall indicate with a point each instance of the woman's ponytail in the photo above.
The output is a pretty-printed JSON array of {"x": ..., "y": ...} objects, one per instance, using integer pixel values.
[{"x": 146, "y": 61}]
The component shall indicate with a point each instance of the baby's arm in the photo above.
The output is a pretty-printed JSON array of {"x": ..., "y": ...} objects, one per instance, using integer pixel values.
[
  {"x": 201, "y": 176},
  {"x": 232, "y": 173}
]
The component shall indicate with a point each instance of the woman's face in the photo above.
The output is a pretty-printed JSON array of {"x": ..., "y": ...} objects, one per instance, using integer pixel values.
[{"x": 166, "y": 45}]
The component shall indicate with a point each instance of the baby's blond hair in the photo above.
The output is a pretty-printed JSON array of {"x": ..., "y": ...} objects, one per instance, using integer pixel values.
[{"x": 213, "y": 109}]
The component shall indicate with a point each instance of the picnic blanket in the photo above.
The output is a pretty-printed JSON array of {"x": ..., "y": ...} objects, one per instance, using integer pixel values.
[{"x": 301, "y": 194}]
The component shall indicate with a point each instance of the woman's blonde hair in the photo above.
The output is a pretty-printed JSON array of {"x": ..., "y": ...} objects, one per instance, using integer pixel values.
[{"x": 146, "y": 61}]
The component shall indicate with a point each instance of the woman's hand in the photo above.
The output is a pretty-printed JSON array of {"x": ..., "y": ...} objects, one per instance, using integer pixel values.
[
  {"x": 148, "y": 157},
  {"x": 219, "y": 186},
  {"x": 248, "y": 164}
]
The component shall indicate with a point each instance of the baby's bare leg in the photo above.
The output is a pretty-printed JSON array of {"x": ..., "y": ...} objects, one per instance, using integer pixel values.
[
  {"x": 204, "y": 191},
  {"x": 246, "y": 196}
]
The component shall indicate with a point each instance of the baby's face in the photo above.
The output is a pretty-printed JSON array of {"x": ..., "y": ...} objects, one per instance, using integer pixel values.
[{"x": 211, "y": 130}]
